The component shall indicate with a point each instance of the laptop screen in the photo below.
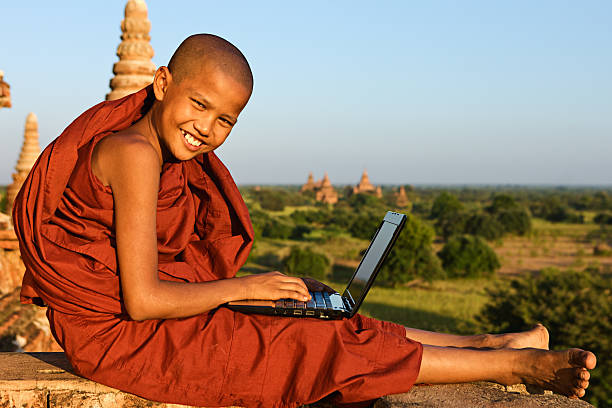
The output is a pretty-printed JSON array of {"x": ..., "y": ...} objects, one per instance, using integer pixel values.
[{"x": 359, "y": 284}]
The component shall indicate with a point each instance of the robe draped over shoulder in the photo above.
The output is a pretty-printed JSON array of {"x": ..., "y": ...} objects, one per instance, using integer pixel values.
[{"x": 63, "y": 218}]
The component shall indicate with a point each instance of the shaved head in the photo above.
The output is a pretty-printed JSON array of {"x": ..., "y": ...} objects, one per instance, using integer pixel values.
[{"x": 207, "y": 51}]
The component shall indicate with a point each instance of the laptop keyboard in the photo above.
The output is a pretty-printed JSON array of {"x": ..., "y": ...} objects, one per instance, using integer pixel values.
[{"x": 320, "y": 301}]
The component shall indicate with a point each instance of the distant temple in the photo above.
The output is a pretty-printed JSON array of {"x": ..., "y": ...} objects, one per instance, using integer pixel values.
[
  {"x": 5, "y": 92},
  {"x": 323, "y": 189},
  {"x": 310, "y": 184},
  {"x": 326, "y": 193},
  {"x": 134, "y": 70},
  {"x": 401, "y": 199},
  {"x": 365, "y": 187},
  {"x": 29, "y": 153}
]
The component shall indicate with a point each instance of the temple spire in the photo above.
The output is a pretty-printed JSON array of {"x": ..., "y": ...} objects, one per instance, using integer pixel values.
[
  {"x": 326, "y": 193},
  {"x": 134, "y": 70},
  {"x": 310, "y": 184},
  {"x": 29, "y": 153},
  {"x": 5, "y": 92}
]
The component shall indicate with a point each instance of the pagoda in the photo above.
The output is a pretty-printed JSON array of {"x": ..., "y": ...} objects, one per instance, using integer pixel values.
[
  {"x": 29, "y": 153},
  {"x": 401, "y": 199},
  {"x": 310, "y": 184},
  {"x": 134, "y": 70},
  {"x": 326, "y": 193},
  {"x": 5, "y": 92},
  {"x": 366, "y": 187}
]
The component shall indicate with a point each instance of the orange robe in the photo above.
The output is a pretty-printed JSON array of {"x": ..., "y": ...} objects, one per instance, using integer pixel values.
[{"x": 64, "y": 220}]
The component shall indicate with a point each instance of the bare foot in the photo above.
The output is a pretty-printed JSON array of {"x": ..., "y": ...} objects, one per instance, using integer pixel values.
[
  {"x": 534, "y": 338},
  {"x": 564, "y": 372}
]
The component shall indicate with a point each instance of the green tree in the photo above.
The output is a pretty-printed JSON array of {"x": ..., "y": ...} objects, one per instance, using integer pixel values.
[
  {"x": 3, "y": 201},
  {"x": 306, "y": 262},
  {"x": 271, "y": 200},
  {"x": 514, "y": 221},
  {"x": 484, "y": 225},
  {"x": 275, "y": 228},
  {"x": 575, "y": 306},
  {"x": 444, "y": 205},
  {"x": 502, "y": 202},
  {"x": 603, "y": 219},
  {"x": 450, "y": 224},
  {"x": 412, "y": 256},
  {"x": 299, "y": 231},
  {"x": 364, "y": 201},
  {"x": 364, "y": 226},
  {"x": 468, "y": 257}
]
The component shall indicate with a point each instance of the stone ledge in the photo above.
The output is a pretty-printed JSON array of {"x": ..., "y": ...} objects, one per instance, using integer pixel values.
[{"x": 43, "y": 380}]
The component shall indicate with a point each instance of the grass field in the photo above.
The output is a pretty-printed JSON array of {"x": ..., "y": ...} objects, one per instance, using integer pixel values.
[
  {"x": 444, "y": 306},
  {"x": 451, "y": 305}
]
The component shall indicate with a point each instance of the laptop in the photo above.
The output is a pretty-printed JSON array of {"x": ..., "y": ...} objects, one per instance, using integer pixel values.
[{"x": 324, "y": 305}]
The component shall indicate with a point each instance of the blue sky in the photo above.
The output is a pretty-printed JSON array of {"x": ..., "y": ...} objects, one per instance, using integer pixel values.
[{"x": 446, "y": 92}]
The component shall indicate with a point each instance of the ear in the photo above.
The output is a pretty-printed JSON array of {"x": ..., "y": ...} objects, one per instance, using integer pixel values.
[{"x": 161, "y": 81}]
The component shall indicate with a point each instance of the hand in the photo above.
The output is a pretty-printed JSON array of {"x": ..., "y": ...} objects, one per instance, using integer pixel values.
[
  {"x": 273, "y": 286},
  {"x": 316, "y": 286}
]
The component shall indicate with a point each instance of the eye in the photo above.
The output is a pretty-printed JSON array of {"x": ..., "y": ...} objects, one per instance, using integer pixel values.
[
  {"x": 199, "y": 104},
  {"x": 226, "y": 122}
]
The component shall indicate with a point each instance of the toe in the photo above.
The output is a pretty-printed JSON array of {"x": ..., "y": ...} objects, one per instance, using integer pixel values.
[
  {"x": 582, "y": 358},
  {"x": 584, "y": 375},
  {"x": 582, "y": 384}
]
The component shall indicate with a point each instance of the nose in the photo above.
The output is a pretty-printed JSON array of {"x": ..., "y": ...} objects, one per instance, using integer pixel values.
[{"x": 203, "y": 126}]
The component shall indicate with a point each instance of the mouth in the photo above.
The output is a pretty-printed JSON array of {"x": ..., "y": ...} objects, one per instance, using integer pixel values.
[{"x": 191, "y": 142}]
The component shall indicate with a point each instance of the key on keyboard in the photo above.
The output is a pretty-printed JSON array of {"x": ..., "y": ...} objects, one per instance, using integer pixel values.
[
  {"x": 319, "y": 300},
  {"x": 327, "y": 299}
]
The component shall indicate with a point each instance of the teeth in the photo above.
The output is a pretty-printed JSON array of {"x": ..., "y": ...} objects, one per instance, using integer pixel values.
[{"x": 190, "y": 139}]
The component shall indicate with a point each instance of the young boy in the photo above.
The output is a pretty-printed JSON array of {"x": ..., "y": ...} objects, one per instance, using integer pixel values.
[{"x": 132, "y": 232}]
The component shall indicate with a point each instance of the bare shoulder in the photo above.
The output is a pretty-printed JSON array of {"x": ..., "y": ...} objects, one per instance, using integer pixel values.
[{"x": 122, "y": 153}]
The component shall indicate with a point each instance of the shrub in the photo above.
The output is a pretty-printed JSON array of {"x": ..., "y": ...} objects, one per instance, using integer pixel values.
[
  {"x": 271, "y": 200},
  {"x": 484, "y": 225},
  {"x": 468, "y": 257},
  {"x": 575, "y": 306},
  {"x": 4, "y": 202},
  {"x": 412, "y": 256},
  {"x": 445, "y": 204},
  {"x": 603, "y": 219},
  {"x": 364, "y": 226},
  {"x": 450, "y": 224},
  {"x": 308, "y": 216},
  {"x": 299, "y": 231},
  {"x": 364, "y": 201},
  {"x": 602, "y": 234},
  {"x": 551, "y": 209},
  {"x": 340, "y": 218},
  {"x": 306, "y": 262},
  {"x": 514, "y": 221},
  {"x": 276, "y": 229},
  {"x": 502, "y": 202}
]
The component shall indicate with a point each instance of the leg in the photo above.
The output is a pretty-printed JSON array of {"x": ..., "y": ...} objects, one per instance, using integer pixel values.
[
  {"x": 534, "y": 338},
  {"x": 564, "y": 372}
]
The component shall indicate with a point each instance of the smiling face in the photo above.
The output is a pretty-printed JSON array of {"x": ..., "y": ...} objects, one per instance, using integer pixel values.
[{"x": 196, "y": 114}]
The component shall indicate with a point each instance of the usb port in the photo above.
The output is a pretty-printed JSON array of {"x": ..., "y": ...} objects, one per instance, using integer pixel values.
[
  {"x": 310, "y": 313},
  {"x": 297, "y": 312}
]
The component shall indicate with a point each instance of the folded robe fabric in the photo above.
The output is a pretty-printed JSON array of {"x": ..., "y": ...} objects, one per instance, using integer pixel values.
[{"x": 63, "y": 218}]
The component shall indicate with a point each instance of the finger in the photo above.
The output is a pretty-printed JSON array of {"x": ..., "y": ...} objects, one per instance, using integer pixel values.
[
  {"x": 275, "y": 273},
  {"x": 296, "y": 287},
  {"x": 296, "y": 295},
  {"x": 297, "y": 281}
]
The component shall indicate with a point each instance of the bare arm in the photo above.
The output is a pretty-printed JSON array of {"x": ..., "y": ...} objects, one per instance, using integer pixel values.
[{"x": 131, "y": 167}]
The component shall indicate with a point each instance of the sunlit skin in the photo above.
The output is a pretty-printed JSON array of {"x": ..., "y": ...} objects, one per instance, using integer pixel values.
[
  {"x": 206, "y": 106},
  {"x": 203, "y": 107}
]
